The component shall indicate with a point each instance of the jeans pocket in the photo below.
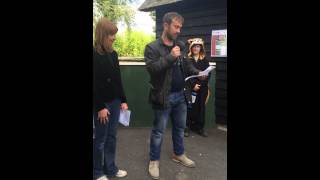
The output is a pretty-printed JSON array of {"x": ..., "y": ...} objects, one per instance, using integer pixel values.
[{"x": 156, "y": 96}]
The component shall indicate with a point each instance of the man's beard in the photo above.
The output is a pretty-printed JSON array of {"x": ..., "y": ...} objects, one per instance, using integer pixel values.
[{"x": 170, "y": 37}]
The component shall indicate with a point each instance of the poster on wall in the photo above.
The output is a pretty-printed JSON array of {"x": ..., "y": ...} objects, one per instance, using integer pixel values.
[{"x": 219, "y": 43}]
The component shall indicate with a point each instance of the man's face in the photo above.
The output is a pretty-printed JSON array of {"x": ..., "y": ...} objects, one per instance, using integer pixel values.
[{"x": 173, "y": 30}]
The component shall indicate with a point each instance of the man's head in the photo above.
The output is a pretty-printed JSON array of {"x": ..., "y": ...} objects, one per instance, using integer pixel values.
[{"x": 172, "y": 24}]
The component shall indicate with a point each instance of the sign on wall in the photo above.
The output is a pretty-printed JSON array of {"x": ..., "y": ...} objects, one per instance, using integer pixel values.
[{"x": 219, "y": 43}]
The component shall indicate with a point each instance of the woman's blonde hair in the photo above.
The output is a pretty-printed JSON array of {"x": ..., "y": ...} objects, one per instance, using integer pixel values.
[{"x": 104, "y": 28}]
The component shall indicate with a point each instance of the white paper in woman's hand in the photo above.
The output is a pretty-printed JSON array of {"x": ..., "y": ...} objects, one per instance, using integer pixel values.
[{"x": 125, "y": 117}]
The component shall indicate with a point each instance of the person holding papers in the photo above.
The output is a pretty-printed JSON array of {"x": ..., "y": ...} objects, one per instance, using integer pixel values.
[
  {"x": 108, "y": 99},
  {"x": 199, "y": 86}
]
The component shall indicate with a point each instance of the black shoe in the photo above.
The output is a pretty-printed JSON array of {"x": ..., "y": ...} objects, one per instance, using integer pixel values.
[
  {"x": 203, "y": 133},
  {"x": 186, "y": 132}
]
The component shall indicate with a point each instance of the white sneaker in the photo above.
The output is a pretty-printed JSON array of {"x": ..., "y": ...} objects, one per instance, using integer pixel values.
[
  {"x": 121, "y": 173},
  {"x": 103, "y": 178},
  {"x": 154, "y": 169}
]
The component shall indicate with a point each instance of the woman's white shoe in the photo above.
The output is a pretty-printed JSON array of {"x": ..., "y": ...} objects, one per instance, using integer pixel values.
[
  {"x": 121, "y": 173},
  {"x": 103, "y": 178}
]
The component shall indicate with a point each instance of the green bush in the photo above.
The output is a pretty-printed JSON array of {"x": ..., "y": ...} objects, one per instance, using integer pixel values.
[{"x": 132, "y": 43}]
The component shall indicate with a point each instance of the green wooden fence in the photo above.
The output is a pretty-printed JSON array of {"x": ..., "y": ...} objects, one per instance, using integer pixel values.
[{"x": 135, "y": 81}]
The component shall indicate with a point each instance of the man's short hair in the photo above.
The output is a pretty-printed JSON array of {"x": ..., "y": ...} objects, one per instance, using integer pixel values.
[{"x": 168, "y": 17}]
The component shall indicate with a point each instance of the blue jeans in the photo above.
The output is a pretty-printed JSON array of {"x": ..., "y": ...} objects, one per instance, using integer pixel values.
[
  {"x": 104, "y": 145},
  {"x": 177, "y": 111}
]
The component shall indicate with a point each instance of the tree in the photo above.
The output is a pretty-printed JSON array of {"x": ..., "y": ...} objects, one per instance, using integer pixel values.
[
  {"x": 118, "y": 11},
  {"x": 132, "y": 43},
  {"x": 97, "y": 14}
]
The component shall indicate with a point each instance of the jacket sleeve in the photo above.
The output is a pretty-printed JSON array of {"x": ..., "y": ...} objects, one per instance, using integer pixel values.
[
  {"x": 191, "y": 70},
  {"x": 97, "y": 94},
  {"x": 156, "y": 63},
  {"x": 194, "y": 81},
  {"x": 123, "y": 97}
]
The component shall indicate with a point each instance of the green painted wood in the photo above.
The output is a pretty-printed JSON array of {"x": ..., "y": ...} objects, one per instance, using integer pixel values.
[
  {"x": 135, "y": 81},
  {"x": 210, "y": 107}
]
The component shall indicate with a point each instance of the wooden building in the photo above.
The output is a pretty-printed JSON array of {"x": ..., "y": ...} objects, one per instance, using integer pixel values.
[{"x": 201, "y": 17}]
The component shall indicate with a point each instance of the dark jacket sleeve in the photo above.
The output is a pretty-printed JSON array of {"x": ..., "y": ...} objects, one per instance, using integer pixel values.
[
  {"x": 123, "y": 97},
  {"x": 156, "y": 63},
  {"x": 194, "y": 81},
  {"x": 97, "y": 94},
  {"x": 191, "y": 70}
]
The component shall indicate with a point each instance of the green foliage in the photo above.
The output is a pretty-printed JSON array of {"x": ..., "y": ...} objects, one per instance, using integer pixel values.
[
  {"x": 132, "y": 43},
  {"x": 97, "y": 14},
  {"x": 118, "y": 11}
]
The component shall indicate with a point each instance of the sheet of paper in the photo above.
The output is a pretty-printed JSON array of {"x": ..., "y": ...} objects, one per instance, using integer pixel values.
[
  {"x": 125, "y": 117},
  {"x": 207, "y": 71},
  {"x": 191, "y": 77},
  {"x": 202, "y": 73}
]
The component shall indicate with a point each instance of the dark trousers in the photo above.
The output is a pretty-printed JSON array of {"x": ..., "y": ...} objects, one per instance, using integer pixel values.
[
  {"x": 196, "y": 114},
  {"x": 104, "y": 145}
]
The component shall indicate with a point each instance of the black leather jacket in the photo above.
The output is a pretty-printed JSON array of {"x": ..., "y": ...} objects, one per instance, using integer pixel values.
[{"x": 159, "y": 63}]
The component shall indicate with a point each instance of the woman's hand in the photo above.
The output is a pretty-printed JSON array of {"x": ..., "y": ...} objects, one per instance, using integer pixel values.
[
  {"x": 103, "y": 116},
  {"x": 124, "y": 106},
  {"x": 196, "y": 87}
]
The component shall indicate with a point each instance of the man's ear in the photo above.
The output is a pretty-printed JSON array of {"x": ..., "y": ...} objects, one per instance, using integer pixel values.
[{"x": 165, "y": 25}]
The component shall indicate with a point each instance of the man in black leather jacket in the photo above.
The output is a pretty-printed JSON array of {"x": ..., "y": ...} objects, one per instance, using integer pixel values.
[{"x": 168, "y": 94}]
